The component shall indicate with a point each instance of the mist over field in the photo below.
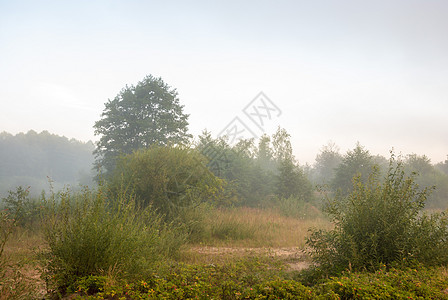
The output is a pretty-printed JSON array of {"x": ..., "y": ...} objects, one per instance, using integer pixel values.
[{"x": 223, "y": 150}]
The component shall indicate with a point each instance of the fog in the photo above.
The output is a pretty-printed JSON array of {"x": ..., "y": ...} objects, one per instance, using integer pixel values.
[{"x": 342, "y": 71}]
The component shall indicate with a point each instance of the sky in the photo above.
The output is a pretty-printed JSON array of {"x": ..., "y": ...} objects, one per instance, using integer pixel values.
[{"x": 330, "y": 71}]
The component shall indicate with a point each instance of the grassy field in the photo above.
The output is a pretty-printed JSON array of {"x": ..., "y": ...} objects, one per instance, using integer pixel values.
[
  {"x": 234, "y": 233},
  {"x": 230, "y": 235},
  {"x": 246, "y": 253},
  {"x": 253, "y": 227}
]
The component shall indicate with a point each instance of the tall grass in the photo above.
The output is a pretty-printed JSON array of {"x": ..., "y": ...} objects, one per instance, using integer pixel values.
[
  {"x": 90, "y": 234},
  {"x": 256, "y": 227},
  {"x": 15, "y": 283}
]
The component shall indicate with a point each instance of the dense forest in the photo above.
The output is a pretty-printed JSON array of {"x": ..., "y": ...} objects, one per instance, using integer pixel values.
[{"x": 33, "y": 159}]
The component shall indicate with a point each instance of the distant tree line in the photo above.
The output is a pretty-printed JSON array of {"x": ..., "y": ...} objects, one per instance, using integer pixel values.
[
  {"x": 335, "y": 171},
  {"x": 254, "y": 171},
  {"x": 149, "y": 117},
  {"x": 32, "y": 159}
]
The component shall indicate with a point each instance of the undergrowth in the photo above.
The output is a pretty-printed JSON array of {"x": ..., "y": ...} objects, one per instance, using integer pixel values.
[
  {"x": 89, "y": 234},
  {"x": 259, "y": 278},
  {"x": 380, "y": 222}
]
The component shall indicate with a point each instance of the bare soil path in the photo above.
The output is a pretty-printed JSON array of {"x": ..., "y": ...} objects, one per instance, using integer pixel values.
[{"x": 294, "y": 257}]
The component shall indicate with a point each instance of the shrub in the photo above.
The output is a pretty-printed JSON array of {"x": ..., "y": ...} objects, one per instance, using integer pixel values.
[
  {"x": 171, "y": 179},
  {"x": 89, "y": 234},
  {"x": 19, "y": 204},
  {"x": 380, "y": 222}
]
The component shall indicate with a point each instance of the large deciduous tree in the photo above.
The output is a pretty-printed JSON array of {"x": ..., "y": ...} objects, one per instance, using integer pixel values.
[{"x": 138, "y": 117}]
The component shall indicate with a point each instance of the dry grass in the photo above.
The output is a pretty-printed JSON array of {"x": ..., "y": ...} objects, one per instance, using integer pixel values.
[
  {"x": 232, "y": 234},
  {"x": 237, "y": 233},
  {"x": 22, "y": 245},
  {"x": 254, "y": 228},
  {"x": 20, "y": 271}
]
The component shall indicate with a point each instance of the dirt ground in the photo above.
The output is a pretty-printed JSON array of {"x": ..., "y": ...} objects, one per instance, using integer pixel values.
[{"x": 294, "y": 257}]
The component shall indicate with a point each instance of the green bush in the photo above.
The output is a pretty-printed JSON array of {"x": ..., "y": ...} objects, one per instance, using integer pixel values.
[
  {"x": 24, "y": 209},
  {"x": 89, "y": 234},
  {"x": 171, "y": 179},
  {"x": 380, "y": 222}
]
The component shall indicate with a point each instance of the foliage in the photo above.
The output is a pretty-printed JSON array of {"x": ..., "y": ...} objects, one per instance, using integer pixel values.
[
  {"x": 19, "y": 204},
  {"x": 253, "y": 278},
  {"x": 429, "y": 175},
  {"x": 248, "y": 179},
  {"x": 174, "y": 180},
  {"x": 265, "y": 279},
  {"x": 292, "y": 182},
  {"x": 265, "y": 154},
  {"x": 326, "y": 163},
  {"x": 408, "y": 283},
  {"x": 15, "y": 213},
  {"x": 380, "y": 223},
  {"x": 357, "y": 161},
  {"x": 443, "y": 166},
  {"x": 138, "y": 117},
  {"x": 256, "y": 174},
  {"x": 281, "y": 143},
  {"x": 89, "y": 234}
]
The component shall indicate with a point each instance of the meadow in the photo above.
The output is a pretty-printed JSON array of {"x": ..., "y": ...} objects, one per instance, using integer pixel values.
[{"x": 241, "y": 253}]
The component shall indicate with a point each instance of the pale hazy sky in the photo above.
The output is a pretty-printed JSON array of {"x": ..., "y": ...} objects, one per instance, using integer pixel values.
[{"x": 369, "y": 71}]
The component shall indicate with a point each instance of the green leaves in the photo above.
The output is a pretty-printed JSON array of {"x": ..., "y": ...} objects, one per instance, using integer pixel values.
[
  {"x": 138, "y": 117},
  {"x": 357, "y": 161},
  {"x": 89, "y": 233},
  {"x": 168, "y": 178},
  {"x": 380, "y": 222}
]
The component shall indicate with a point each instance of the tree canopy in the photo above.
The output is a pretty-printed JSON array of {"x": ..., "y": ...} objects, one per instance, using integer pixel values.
[
  {"x": 326, "y": 163},
  {"x": 257, "y": 173},
  {"x": 357, "y": 161},
  {"x": 138, "y": 117}
]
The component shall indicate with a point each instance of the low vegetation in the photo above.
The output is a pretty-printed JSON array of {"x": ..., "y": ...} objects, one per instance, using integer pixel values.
[
  {"x": 89, "y": 234},
  {"x": 381, "y": 222},
  {"x": 95, "y": 247}
]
